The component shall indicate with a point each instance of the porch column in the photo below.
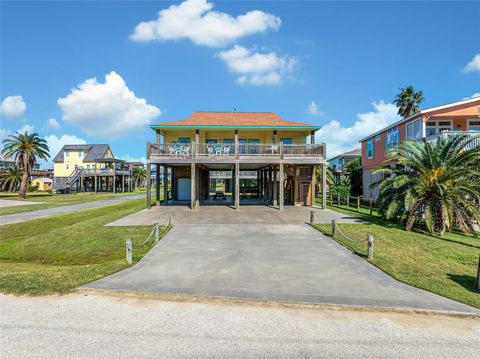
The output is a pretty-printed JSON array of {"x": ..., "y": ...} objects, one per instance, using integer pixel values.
[
  {"x": 275, "y": 136},
  {"x": 274, "y": 184},
  {"x": 157, "y": 185},
  {"x": 270, "y": 186},
  {"x": 280, "y": 183},
  {"x": 157, "y": 137},
  {"x": 197, "y": 136},
  {"x": 149, "y": 186},
  {"x": 95, "y": 182},
  {"x": 123, "y": 183},
  {"x": 237, "y": 149},
  {"x": 165, "y": 185},
  {"x": 81, "y": 183},
  {"x": 324, "y": 186},
  {"x": 312, "y": 191},
  {"x": 192, "y": 186},
  {"x": 237, "y": 186},
  {"x": 312, "y": 137},
  {"x": 113, "y": 181}
]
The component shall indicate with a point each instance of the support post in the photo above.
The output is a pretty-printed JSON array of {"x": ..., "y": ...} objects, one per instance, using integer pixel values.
[
  {"x": 149, "y": 186},
  {"x": 192, "y": 186},
  {"x": 157, "y": 185},
  {"x": 313, "y": 184},
  {"x": 95, "y": 183},
  {"x": 128, "y": 250},
  {"x": 477, "y": 282},
  {"x": 237, "y": 186},
  {"x": 334, "y": 227},
  {"x": 237, "y": 147},
  {"x": 275, "y": 190},
  {"x": 165, "y": 185},
  {"x": 371, "y": 206},
  {"x": 113, "y": 181},
  {"x": 369, "y": 246},
  {"x": 312, "y": 217},
  {"x": 324, "y": 186},
  {"x": 358, "y": 204},
  {"x": 280, "y": 187}
]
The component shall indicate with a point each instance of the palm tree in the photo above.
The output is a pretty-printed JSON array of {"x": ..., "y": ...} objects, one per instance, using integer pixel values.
[
  {"x": 139, "y": 175},
  {"x": 436, "y": 182},
  {"x": 10, "y": 179},
  {"x": 330, "y": 177},
  {"x": 408, "y": 101},
  {"x": 25, "y": 148}
]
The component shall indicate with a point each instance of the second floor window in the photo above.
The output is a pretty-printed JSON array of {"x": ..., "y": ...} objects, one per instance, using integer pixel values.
[
  {"x": 286, "y": 141},
  {"x": 370, "y": 149},
  {"x": 80, "y": 154},
  {"x": 414, "y": 130},
  {"x": 435, "y": 127},
  {"x": 393, "y": 139},
  {"x": 184, "y": 140},
  {"x": 67, "y": 153}
]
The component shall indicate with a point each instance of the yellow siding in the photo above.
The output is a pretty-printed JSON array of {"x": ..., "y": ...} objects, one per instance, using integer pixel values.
[
  {"x": 264, "y": 136},
  {"x": 66, "y": 168}
]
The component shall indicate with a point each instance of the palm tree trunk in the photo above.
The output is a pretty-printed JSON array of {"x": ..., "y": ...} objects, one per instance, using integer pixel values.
[{"x": 23, "y": 186}]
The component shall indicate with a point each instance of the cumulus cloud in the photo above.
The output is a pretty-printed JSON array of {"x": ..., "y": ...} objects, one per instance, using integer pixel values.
[
  {"x": 13, "y": 107},
  {"x": 340, "y": 139},
  {"x": 55, "y": 144},
  {"x": 255, "y": 68},
  {"x": 26, "y": 128},
  {"x": 313, "y": 109},
  {"x": 476, "y": 94},
  {"x": 195, "y": 20},
  {"x": 4, "y": 133},
  {"x": 52, "y": 123},
  {"x": 474, "y": 65},
  {"x": 107, "y": 109}
]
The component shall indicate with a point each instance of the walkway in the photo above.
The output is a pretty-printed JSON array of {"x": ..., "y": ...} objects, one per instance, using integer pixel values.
[
  {"x": 291, "y": 262},
  {"x": 25, "y": 216},
  {"x": 227, "y": 215}
]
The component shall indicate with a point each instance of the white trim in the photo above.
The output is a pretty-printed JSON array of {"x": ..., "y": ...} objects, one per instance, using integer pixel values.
[
  {"x": 422, "y": 112},
  {"x": 412, "y": 123}
]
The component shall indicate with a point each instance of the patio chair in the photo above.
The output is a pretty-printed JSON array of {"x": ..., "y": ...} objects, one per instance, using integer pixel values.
[
  {"x": 226, "y": 150},
  {"x": 210, "y": 150}
]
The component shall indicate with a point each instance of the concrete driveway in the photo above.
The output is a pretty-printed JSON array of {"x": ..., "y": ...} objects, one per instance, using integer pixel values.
[{"x": 267, "y": 262}]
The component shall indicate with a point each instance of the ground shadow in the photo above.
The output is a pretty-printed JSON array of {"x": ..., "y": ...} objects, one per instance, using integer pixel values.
[{"x": 466, "y": 281}]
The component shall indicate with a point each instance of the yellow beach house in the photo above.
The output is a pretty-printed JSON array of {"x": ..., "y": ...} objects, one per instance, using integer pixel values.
[
  {"x": 90, "y": 168},
  {"x": 258, "y": 157}
]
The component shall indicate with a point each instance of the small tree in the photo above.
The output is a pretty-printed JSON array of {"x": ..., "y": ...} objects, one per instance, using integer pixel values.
[
  {"x": 25, "y": 149},
  {"x": 10, "y": 179},
  {"x": 354, "y": 170},
  {"x": 408, "y": 101},
  {"x": 139, "y": 175}
]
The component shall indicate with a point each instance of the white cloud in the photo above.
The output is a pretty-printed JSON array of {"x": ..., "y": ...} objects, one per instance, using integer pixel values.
[
  {"x": 4, "y": 133},
  {"x": 107, "y": 109},
  {"x": 52, "y": 123},
  {"x": 129, "y": 158},
  {"x": 26, "y": 128},
  {"x": 340, "y": 139},
  {"x": 13, "y": 107},
  {"x": 474, "y": 65},
  {"x": 476, "y": 94},
  {"x": 55, "y": 144},
  {"x": 256, "y": 68},
  {"x": 195, "y": 20},
  {"x": 314, "y": 110}
]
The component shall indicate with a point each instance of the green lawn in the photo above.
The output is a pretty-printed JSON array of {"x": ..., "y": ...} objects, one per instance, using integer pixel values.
[
  {"x": 47, "y": 200},
  {"x": 443, "y": 265},
  {"x": 59, "y": 253}
]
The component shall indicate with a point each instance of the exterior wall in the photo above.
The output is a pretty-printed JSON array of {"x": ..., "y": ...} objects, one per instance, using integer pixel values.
[
  {"x": 264, "y": 136},
  {"x": 42, "y": 186},
  {"x": 65, "y": 168}
]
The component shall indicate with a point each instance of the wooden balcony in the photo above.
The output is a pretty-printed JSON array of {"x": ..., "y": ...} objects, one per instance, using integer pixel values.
[{"x": 221, "y": 153}]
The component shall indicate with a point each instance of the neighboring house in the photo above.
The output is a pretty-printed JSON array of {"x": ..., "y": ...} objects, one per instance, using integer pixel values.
[
  {"x": 195, "y": 149},
  {"x": 339, "y": 162},
  {"x": 44, "y": 184},
  {"x": 36, "y": 172},
  {"x": 90, "y": 168},
  {"x": 10, "y": 162},
  {"x": 453, "y": 119}
]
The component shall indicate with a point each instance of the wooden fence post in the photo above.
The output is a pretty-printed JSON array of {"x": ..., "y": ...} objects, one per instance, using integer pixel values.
[
  {"x": 369, "y": 246},
  {"x": 156, "y": 233},
  {"x": 312, "y": 216},
  {"x": 477, "y": 283},
  {"x": 334, "y": 227},
  {"x": 128, "y": 249},
  {"x": 331, "y": 198}
]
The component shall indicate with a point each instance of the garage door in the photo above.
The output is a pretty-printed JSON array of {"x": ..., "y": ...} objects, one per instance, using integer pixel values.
[{"x": 184, "y": 189}]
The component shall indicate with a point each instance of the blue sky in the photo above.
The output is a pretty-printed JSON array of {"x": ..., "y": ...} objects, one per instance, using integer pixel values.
[{"x": 337, "y": 64}]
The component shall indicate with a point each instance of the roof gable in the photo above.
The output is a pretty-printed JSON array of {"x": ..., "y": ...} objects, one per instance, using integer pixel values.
[{"x": 93, "y": 152}]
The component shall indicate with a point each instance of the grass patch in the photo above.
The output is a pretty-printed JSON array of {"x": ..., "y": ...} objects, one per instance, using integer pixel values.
[
  {"x": 48, "y": 200},
  {"x": 443, "y": 265},
  {"x": 58, "y": 253}
]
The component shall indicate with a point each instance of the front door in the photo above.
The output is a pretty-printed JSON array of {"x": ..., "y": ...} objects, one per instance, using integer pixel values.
[
  {"x": 305, "y": 188},
  {"x": 184, "y": 189}
]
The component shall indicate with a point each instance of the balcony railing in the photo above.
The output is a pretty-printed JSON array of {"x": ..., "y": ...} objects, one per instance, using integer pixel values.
[
  {"x": 233, "y": 151},
  {"x": 468, "y": 134}
]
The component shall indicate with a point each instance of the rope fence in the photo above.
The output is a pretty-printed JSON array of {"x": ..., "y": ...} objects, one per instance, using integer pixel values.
[
  {"x": 156, "y": 237},
  {"x": 336, "y": 231},
  {"x": 353, "y": 202}
]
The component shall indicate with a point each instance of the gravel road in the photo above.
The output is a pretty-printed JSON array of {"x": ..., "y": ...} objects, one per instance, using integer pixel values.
[{"x": 93, "y": 325}]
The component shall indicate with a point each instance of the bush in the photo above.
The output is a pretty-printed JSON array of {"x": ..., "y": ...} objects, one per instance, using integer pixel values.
[{"x": 32, "y": 188}]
